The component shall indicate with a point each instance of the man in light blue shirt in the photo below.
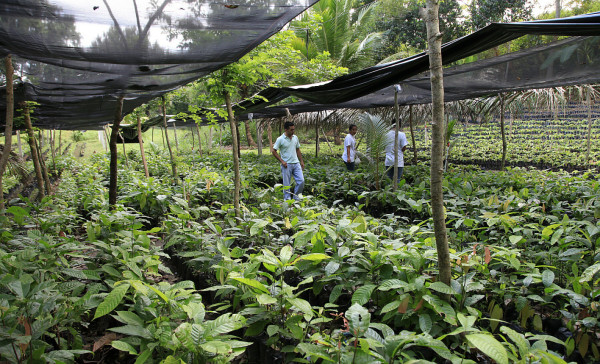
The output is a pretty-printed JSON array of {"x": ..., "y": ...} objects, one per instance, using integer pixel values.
[
  {"x": 389, "y": 152},
  {"x": 291, "y": 161}
]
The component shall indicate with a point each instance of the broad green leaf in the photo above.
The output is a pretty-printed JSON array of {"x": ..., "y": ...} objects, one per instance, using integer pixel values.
[
  {"x": 362, "y": 295},
  {"x": 442, "y": 288},
  {"x": 216, "y": 347},
  {"x": 390, "y": 306},
  {"x": 112, "y": 300},
  {"x": 123, "y": 346},
  {"x": 518, "y": 339},
  {"x": 489, "y": 346},
  {"x": 314, "y": 256},
  {"x": 589, "y": 272},
  {"x": 131, "y": 318},
  {"x": 265, "y": 299},
  {"x": 425, "y": 323},
  {"x": 362, "y": 224},
  {"x": 272, "y": 330},
  {"x": 359, "y": 319},
  {"x": 315, "y": 351},
  {"x": 331, "y": 267},
  {"x": 301, "y": 305},
  {"x": 133, "y": 330},
  {"x": 252, "y": 283},
  {"x": 497, "y": 314},
  {"x": 257, "y": 228},
  {"x": 515, "y": 239},
  {"x": 224, "y": 324},
  {"x": 170, "y": 360},
  {"x": 547, "y": 277},
  {"x": 286, "y": 254}
]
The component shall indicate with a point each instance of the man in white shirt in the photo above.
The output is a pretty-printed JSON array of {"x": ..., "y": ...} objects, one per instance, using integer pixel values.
[
  {"x": 389, "y": 152},
  {"x": 291, "y": 160},
  {"x": 349, "y": 155}
]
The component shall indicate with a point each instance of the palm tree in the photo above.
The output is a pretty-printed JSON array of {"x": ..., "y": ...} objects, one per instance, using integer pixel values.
[
  {"x": 375, "y": 130},
  {"x": 339, "y": 34}
]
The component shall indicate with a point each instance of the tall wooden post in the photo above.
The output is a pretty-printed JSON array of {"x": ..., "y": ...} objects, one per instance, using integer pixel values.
[
  {"x": 317, "y": 135},
  {"x": 47, "y": 184},
  {"x": 412, "y": 134},
  {"x": 589, "y": 130},
  {"x": 141, "y": 141},
  {"x": 10, "y": 108},
  {"x": 173, "y": 163},
  {"x": 434, "y": 40},
  {"x": 235, "y": 150},
  {"x": 112, "y": 188},
  {"x": 397, "y": 130},
  {"x": 33, "y": 150},
  {"x": 19, "y": 145},
  {"x": 199, "y": 140},
  {"x": 502, "y": 131},
  {"x": 124, "y": 151}
]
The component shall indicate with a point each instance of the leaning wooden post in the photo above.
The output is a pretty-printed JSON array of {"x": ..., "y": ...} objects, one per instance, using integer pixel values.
[
  {"x": 124, "y": 151},
  {"x": 175, "y": 136},
  {"x": 141, "y": 141},
  {"x": 33, "y": 150},
  {"x": 589, "y": 130},
  {"x": 412, "y": 134},
  {"x": 317, "y": 135},
  {"x": 199, "y": 140},
  {"x": 10, "y": 109},
  {"x": 112, "y": 188},
  {"x": 434, "y": 39},
  {"x": 53, "y": 149},
  {"x": 236, "y": 160},
  {"x": 502, "y": 131},
  {"x": 19, "y": 145},
  {"x": 396, "y": 136},
  {"x": 173, "y": 164},
  {"x": 44, "y": 169}
]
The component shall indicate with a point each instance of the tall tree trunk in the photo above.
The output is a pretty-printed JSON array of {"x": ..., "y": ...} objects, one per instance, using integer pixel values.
[
  {"x": 141, "y": 141},
  {"x": 412, "y": 134},
  {"x": 199, "y": 140},
  {"x": 589, "y": 130},
  {"x": 10, "y": 108},
  {"x": 236, "y": 160},
  {"x": 112, "y": 187},
  {"x": 503, "y": 131},
  {"x": 557, "y": 7},
  {"x": 434, "y": 40},
  {"x": 33, "y": 150},
  {"x": 173, "y": 163}
]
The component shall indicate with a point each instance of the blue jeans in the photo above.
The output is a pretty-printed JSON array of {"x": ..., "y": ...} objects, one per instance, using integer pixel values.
[
  {"x": 390, "y": 172},
  {"x": 292, "y": 170}
]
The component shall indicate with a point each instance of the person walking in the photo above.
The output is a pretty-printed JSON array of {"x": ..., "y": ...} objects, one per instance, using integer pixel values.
[
  {"x": 349, "y": 155},
  {"x": 389, "y": 152},
  {"x": 291, "y": 161}
]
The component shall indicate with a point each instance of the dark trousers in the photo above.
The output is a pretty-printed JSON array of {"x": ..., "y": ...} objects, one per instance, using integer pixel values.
[
  {"x": 350, "y": 165},
  {"x": 390, "y": 172}
]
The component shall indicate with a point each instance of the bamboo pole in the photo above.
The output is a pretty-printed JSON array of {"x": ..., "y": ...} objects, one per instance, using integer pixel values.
[
  {"x": 112, "y": 188},
  {"x": 33, "y": 150},
  {"x": 10, "y": 108},
  {"x": 141, "y": 141},
  {"x": 173, "y": 163}
]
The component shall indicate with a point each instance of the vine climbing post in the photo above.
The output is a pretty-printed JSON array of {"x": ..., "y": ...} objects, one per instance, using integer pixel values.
[
  {"x": 10, "y": 109},
  {"x": 434, "y": 40},
  {"x": 112, "y": 187}
]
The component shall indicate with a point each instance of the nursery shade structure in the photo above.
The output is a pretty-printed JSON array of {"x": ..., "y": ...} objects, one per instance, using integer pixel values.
[{"x": 75, "y": 58}]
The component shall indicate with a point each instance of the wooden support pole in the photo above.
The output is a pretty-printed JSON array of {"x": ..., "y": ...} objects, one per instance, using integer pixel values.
[
  {"x": 589, "y": 130},
  {"x": 235, "y": 151},
  {"x": 141, "y": 141},
  {"x": 199, "y": 139},
  {"x": 412, "y": 134},
  {"x": 47, "y": 184},
  {"x": 8, "y": 126},
  {"x": 502, "y": 130},
  {"x": 124, "y": 151},
  {"x": 112, "y": 188},
  {"x": 173, "y": 163},
  {"x": 396, "y": 136},
  {"x": 33, "y": 150}
]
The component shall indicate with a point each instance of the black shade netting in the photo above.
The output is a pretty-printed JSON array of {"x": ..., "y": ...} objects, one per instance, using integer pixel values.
[{"x": 77, "y": 57}]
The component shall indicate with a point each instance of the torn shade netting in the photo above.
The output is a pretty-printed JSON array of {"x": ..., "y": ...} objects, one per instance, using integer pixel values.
[{"x": 76, "y": 57}]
